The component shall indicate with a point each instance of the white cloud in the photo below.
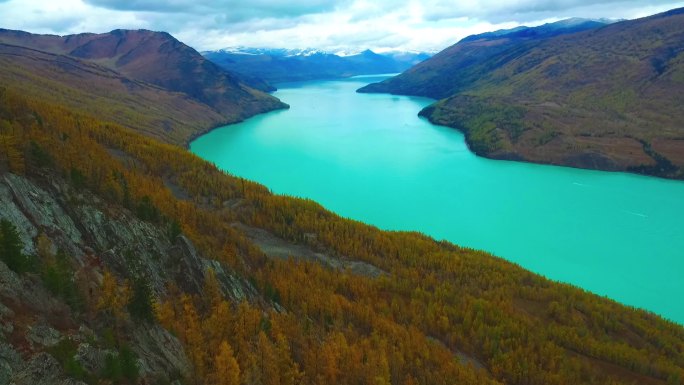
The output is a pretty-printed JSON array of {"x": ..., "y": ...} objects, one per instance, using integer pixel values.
[
  {"x": 326, "y": 24},
  {"x": 65, "y": 17}
]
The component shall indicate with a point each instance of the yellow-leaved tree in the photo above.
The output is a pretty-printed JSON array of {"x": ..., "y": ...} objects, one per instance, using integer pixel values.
[
  {"x": 11, "y": 155},
  {"x": 226, "y": 369},
  {"x": 113, "y": 297}
]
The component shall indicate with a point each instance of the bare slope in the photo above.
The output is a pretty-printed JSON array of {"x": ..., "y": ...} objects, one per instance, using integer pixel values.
[
  {"x": 459, "y": 65},
  {"x": 134, "y": 68}
]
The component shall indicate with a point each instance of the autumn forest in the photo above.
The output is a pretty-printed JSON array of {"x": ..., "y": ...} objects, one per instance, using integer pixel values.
[{"x": 433, "y": 313}]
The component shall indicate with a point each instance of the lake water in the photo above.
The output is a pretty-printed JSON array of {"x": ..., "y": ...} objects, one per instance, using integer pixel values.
[{"x": 370, "y": 157}]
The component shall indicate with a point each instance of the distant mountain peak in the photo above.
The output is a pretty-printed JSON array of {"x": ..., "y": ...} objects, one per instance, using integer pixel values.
[
  {"x": 574, "y": 24},
  {"x": 276, "y": 52},
  {"x": 156, "y": 58},
  {"x": 293, "y": 52},
  {"x": 571, "y": 21},
  {"x": 284, "y": 65}
]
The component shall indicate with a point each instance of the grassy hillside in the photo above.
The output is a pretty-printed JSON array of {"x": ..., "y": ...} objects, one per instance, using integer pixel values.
[
  {"x": 213, "y": 302},
  {"x": 608, "y": 99},
  {"x": 168, "y": 116},
  {"x": 142, "y": 79},
  {"x": 457, "y": 67}
]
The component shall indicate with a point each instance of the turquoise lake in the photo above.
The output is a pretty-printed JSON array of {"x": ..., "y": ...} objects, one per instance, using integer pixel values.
[{"x": 370, "y": 157}]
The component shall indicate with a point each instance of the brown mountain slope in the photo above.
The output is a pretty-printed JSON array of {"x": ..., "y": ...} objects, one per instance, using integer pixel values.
[
  {"x": 459, "y": 65},
  {"x": 169, "y": 116},
  {"x": 194, "y": 94},
  {"x": 608, "y": 99}
]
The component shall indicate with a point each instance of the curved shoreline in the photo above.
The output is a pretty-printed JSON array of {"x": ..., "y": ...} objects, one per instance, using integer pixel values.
[
  {"x": 399, "y": 194},
  {"x": 197, "y": 134}
]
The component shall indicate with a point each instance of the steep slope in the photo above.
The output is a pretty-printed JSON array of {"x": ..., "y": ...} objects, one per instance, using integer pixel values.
[
  {"x": 280, "y": 65},
  {"x": 58, "y": 324},
  {"x": 121, "y": 232},
  {"x": 608, "y": 99},
  {"x": 458, "y": 66},
  {"x": 169, "y": 116},
  {"x": 195, "y": 93}
]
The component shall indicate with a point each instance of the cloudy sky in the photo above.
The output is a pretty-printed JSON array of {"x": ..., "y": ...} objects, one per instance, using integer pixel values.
[{"x": 339, "y": 25}]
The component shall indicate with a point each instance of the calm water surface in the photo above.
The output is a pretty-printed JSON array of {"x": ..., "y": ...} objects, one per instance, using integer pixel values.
[{"x": 371, "y": 158}]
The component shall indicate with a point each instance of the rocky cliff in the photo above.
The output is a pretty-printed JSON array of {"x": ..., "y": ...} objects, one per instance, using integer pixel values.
[{"x": 97, "y": 237}]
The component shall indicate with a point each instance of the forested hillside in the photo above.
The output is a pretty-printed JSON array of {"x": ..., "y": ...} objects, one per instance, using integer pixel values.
[{"x": 125, "y": 259}]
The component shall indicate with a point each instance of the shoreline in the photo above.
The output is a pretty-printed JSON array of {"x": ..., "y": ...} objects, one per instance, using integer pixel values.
[
  {"x": 516, "y": 157},
  {"x": 186, "y": 143},
  {"x": 511, "y": 156}
]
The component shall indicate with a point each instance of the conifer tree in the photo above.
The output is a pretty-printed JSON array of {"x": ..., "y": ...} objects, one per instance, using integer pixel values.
[
  {"x": 226, "y": 369},
  {"x": 10, "y": 247}
]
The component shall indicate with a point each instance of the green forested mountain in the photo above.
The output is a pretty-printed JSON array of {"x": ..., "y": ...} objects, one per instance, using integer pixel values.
[
  {"x": 127, "y": 260},
  {"x": 607, "y": 98}
]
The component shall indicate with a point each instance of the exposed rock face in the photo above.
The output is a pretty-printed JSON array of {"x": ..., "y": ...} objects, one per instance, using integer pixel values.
[
  {"x": 275, "y": 247},
  {"x": 43, "y": 335},
  {"x": 10, "y": 360},
  {"x": 41, "y": 369},
  {"x": 96, "y": 236},
  {"x": 159, "y": 350},
  {"x": 187, "y": 268},
  {"x": 80, "y": 223},
  {"x": 92, "y": 358},
  {"x": 11, "y": 212}
]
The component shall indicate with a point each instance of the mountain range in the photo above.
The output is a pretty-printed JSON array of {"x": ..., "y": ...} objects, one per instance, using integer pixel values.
[
  {"x": 287, "y": 65},
  {"x": 589, "y": 95},
  {"x": 463, "y": 63},
  {"x": 123, "y": 71}
]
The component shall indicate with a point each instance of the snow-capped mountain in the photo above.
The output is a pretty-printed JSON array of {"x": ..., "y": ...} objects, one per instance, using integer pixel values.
[
  {"x": 282, "y": 64},
  {"x": 280, "y": 52}
]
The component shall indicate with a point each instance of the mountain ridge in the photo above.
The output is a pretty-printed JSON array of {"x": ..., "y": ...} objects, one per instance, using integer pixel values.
[
  {"x": 438, "y": 76},
  {"x": 277, "y": 65},
  {"x": 195, "y": 92},
  {"x": 560, "y": 100}
]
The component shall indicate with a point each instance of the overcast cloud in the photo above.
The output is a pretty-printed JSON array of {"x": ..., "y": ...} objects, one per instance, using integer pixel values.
[{"x": 342, "y": 25}]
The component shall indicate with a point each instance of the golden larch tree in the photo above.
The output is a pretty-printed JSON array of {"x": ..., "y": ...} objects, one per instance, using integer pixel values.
[{"x": 226, "y": 369}]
